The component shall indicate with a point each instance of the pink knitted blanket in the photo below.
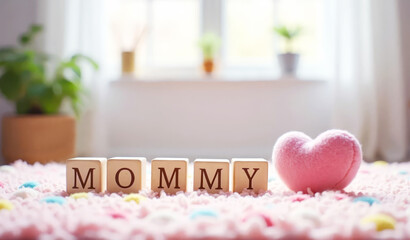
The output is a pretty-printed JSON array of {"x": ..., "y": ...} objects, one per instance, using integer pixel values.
[{"x": 34, "y": 204}]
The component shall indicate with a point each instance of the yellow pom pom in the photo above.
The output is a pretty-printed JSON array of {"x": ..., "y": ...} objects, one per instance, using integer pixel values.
[
  {"x": 7, "y": 205},
  {"x": 381, "y": 221},
  {"x": 79, "y": 195},
  {"x": 134, "y": 198},
  {"x": 380, "y": 163}
]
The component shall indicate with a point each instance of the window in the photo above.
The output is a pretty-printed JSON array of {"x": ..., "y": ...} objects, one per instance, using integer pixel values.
[{"x": 173, "y": 28}]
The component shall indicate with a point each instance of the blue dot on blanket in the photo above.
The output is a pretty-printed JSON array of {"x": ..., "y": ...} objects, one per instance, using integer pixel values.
[
  {"x": 403, "y": 172},
  {"x": 369, "y": 200},
  {"x": 30, "y": 184},
  {"x": 54, "y": 199},
  {"x": 203, "y": 213}
]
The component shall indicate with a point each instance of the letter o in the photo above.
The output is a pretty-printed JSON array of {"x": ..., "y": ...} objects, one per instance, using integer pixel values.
[{"x": 117, "y": 177}]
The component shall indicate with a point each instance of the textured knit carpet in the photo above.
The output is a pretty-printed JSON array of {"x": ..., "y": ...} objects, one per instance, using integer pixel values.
[{"x": 34, "y": 204}]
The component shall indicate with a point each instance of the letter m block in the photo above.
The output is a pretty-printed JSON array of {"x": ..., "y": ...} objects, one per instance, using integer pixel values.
[
  {"x": 169, "y": 175},
  {"x": 211, "y": 175},
  {"x": 86, "y": 175}
]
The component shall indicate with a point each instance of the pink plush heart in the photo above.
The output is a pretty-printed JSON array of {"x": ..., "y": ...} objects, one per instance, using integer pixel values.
[{"x": 329, "y": 162}]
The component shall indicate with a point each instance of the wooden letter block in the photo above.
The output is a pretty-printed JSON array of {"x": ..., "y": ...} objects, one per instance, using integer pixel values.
[
  {"x": 211, "y": 175},
  {"x": 250, "y": 174},
  {"x": 86, "y": 175},
  {"x": 169, "y": 174},
  {"x": 126, "y": 175}
]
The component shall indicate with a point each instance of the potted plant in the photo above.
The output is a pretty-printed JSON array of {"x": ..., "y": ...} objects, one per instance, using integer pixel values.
[
  {"x": 288, "y": 60},
  {"x": 209, "y": 44},
  {"x": 38, "y": 132}
]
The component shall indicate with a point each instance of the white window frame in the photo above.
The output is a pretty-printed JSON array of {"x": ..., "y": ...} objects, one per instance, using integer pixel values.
[{"x": 212, "y": 19}]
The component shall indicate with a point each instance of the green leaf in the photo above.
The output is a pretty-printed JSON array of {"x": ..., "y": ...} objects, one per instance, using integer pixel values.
[
  {"x": 36, "y": 28},
  {"x": 11, "y": 55},
  {"x": 11, "y": 85},
  {"x": 78, "y": 57},
  {"x": 209, "y": 43},
  {"x": 27, "y": 37},
  {"x": 287, "y": 32},
  {"x": 36, "y": 90},
  {"x": 50, "y": 102},
  {"x": 23, "y": 106},
  {"x": 74, "y": 67}
]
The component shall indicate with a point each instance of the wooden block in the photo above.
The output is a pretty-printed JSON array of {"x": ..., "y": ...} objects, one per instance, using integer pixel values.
[
  {"x": 250, "y": 174},
  {"x": 126, "y": 174},
  {"x": 169, "y": 174},
  {"x": 211, "y": 175},
  {"x": 86, "y": 175}
]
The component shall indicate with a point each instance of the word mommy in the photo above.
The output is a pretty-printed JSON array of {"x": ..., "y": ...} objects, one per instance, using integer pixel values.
[{"x": 128, "y": 175}]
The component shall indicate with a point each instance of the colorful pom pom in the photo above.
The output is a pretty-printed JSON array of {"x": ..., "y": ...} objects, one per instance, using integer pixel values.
[
  {"x": 117, "y": 215},
  {"x": 267, "y": 220},
  {"x": 25, "y": 193},
  {"x": 380, "y": 163},
  {"x": 54, "y": 199},
  {"x": 306, "y": 215},
  {"x": 79, "y": 195},
  {"x": 381, "y": 221},
  {"x": 204, "y": 213},
  {"x": 161, "y": 217},
  {"x": 31, "y": 184},
  {"x": 7, "y": 169},
  {"x": 137, "y": 198},
  {"x": 299, "y": 198},
  {"x": 1, "y": 185},
  {"x": 340, "y": 196},
  {"x": 369, "y": 200},
  {"x": 5, "y": 205}
]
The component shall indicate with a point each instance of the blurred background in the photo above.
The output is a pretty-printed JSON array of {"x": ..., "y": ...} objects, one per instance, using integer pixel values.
[{"x": 202, "y": 78}]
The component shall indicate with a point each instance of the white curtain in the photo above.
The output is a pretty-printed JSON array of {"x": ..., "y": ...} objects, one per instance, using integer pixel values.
[
  {"x": 369, "y": 86},
  {"x": 77, "y": 26}
]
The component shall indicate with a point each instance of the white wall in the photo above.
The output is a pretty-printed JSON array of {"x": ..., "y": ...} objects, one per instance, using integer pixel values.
[
  {"x": 404, "y": 6},
  {"x": 214, "y": 119},
  {"x": 15, "y": 17}
]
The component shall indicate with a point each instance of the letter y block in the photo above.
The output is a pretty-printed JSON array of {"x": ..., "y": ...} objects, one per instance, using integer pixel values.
[
  {"x": 86, "y": 175},
  {"x": 169, "y": 175},
  {"x": 250, "y": 174}
]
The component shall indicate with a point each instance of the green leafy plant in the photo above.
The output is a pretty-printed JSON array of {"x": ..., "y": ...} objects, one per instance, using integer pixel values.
[
  {"x": 289, "y": 34},
  {"x": 23, "y": 78},
  {"x": 209, "y": 44}
]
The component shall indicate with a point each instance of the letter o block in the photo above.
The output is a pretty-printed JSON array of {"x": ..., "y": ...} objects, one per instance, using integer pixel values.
[
  {"x": 211, "y": 175},
  {"x": 169, "y": 175},
  {"x": 86, "y": 175},
  {"x": 250, "y": 174},
  {"x": 126, "y": 175}
]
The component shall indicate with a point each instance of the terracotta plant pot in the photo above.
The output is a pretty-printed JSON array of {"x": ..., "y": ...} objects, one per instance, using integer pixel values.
[
  {"x": 38, "y": 138},
  {"x": 208, "y": 66}
]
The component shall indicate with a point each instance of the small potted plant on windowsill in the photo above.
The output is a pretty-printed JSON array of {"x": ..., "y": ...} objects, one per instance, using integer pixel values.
[
  {"x": 38, "y": 132},
  {"x": 289, "y": 59},
  {"x": 209, "y": 44}
]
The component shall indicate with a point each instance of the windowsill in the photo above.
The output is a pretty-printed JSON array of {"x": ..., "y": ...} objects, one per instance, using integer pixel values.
[{"x": 215, "y": 78}]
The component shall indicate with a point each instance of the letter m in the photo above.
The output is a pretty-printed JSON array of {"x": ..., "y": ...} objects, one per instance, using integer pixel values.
[
  {"x": 210, "y": 184},
  {"x": 90, "y": 175},
  {"x": 163, "y": 175}
]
